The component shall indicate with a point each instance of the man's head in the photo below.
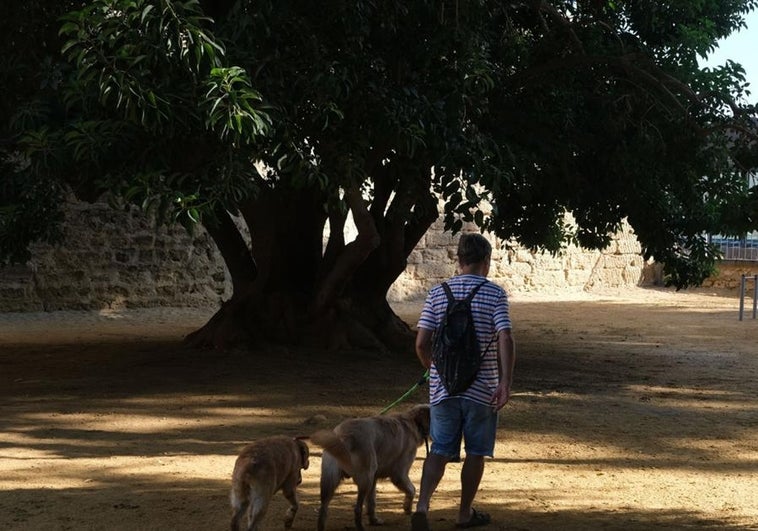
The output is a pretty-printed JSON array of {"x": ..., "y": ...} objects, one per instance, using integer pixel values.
[{"x": 473, "y": 248}]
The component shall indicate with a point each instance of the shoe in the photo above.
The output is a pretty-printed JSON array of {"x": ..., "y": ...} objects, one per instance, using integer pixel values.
[
  {"x": 477, "y": 519},
  {"x": 419, "y": 522}
]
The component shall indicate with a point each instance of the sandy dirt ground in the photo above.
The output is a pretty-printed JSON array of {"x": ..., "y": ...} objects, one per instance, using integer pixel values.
[{"x": 631, "y": 411}]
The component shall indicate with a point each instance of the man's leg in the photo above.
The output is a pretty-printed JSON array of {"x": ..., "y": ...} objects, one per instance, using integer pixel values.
[
  {"x": 445, "y": 432},
  {"x": 479, "y": 431},
  {"x": 431, "y": 475},
  {"x": 471, "y": 476}
]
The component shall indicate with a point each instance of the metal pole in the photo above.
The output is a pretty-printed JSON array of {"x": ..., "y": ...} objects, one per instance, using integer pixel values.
[
  {"x": 742, "y": 295},
  {"x": 755, "y": 293}
]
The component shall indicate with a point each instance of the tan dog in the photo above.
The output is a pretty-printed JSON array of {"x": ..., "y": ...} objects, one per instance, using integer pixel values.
[
  {"x": 263, "y": 468},
  {"x": 369, "y": 448}
]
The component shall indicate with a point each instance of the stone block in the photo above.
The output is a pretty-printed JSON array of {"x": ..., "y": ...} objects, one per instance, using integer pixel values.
[
  {"x": 607, "y": 278},
  {"x": 434, "y": 271},
  {"x": 632, "y": 276},
  {"x": 416, "y": 257},
  {"x": 440, "y": 255},
  {"x": 583, "y": 260},
  {"x": 524, "y": 255},
  {"x": 577, "y": 278},
  {"x": 614, "y": 261},
  {"x": 440, "y": 239},
  {"x": 549, "y": 279},
  {"x": 513, "y": 269},
  {"x": 628, "y": 245}
]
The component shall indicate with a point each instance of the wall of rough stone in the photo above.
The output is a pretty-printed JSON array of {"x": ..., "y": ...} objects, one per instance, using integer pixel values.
[
  {"x": 521, "y": 270},
  {"x": 115, "y": 259},
  {"x": 730, "y": 273}
]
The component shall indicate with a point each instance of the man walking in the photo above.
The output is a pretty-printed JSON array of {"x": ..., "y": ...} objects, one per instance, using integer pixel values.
[{"x": 470, "y": 415}]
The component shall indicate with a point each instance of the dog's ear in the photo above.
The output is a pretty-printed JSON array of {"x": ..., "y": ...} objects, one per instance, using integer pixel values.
[
  {"x": 421, "y": 417},
  {"x": 304, "y": 453}
]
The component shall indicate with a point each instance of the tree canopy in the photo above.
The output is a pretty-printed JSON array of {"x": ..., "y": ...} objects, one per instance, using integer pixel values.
[{"x": 285, "y": 115}]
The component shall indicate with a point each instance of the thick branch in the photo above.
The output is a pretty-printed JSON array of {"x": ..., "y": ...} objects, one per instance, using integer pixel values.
[
  {"x": 336, "y": 242},
  {"x": 415, "y": 207},
  {"x": 562, "y": 21},
  {"x": 383, "y": 187},
  {"x": 353, "y": 255},
  {"x": 234, "y": 250},
  {"x": 427, "y": 213}
]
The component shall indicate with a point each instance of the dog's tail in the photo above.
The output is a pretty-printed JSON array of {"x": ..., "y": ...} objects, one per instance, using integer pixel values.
[{"x": 333, "y": 445}]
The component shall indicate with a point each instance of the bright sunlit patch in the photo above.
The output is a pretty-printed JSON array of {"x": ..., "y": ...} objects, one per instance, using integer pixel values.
[
  {"x": 692, "y": 398},
  {"x": 685, "y": 391},
  {"x": 128, "y": 422},
  {"x": 112, "y": 313}
]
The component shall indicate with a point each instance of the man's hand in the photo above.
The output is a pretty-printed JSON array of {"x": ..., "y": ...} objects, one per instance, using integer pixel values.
[
  {"x": 506, "y": 361},
  {"x": 501, "y": 396}
]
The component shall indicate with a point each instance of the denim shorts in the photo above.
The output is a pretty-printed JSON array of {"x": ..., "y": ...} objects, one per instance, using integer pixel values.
[{"x": 454, "y": 418}]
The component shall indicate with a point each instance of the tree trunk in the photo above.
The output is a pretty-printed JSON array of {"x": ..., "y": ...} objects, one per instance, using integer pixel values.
[
  {"x": 401, "y": 220},
  {"x": 289, "y": 288},
  {"x": 286, "y": 239}
]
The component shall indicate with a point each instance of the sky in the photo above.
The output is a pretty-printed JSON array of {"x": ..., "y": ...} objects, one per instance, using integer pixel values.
[{"x": 741, "y": 47}]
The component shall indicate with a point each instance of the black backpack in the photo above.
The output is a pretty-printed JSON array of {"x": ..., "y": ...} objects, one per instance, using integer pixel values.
[{"x": 455, "y": 349}]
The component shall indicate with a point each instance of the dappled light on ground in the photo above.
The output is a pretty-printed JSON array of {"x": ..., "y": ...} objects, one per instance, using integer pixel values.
[{"x": 634, "y": 412}]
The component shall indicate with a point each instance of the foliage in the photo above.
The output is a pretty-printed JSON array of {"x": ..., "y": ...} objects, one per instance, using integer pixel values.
[
  {"x": 604, "y": 113},
  {"x": 29, "y": 208},
  {"x": 598, "y": 108},
  {"x": 143, "y": 84}
]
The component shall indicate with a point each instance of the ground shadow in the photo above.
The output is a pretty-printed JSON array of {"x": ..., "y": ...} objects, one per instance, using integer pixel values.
[{"x": 127, "y": 423}]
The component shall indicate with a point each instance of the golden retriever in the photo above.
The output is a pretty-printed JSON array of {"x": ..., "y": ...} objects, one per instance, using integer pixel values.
[
  {"x": 365, "y": 449},
  {"x": 263, "y": 468}
]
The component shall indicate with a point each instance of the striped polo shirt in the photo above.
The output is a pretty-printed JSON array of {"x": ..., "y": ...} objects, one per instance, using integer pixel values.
[{"x": 489, "y": 309}]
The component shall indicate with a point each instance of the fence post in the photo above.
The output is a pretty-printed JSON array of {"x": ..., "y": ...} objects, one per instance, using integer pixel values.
[{"x": 743, "y": 281}]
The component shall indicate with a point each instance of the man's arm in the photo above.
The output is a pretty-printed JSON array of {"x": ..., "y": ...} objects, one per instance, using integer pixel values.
[
  {"x": 506, "y": 362},
  {"x": 424, "y": 347}
]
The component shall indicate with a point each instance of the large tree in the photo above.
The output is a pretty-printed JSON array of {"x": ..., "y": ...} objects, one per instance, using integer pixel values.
[{"x": 266, "y": 120}]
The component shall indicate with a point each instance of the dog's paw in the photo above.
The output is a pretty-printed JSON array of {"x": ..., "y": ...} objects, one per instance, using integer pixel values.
[
  {"x": 373, "y": 520},
  {"x": 289, "y": 517}
]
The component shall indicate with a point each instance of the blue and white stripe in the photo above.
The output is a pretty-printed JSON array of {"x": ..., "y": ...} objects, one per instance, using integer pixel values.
[{"x": 491, "y": 315}]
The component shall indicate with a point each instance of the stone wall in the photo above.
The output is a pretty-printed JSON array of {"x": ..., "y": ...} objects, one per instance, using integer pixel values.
[
  {"x": 729, "y": 276},
  {"x": 115, "y": 259},
  {"x": 520, "y": 270}
]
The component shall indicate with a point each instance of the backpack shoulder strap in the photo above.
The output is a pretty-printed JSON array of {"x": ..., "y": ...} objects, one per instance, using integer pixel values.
[
  {"x": 448, "y": 292},
  {"x": 470, "y": 296}
]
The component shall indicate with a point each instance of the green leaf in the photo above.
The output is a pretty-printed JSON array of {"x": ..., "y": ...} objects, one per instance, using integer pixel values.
[{"x": 146, "y": 12}]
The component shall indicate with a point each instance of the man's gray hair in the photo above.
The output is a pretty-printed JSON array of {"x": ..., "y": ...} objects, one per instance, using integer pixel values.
[{"x": 473, "y": 248}]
